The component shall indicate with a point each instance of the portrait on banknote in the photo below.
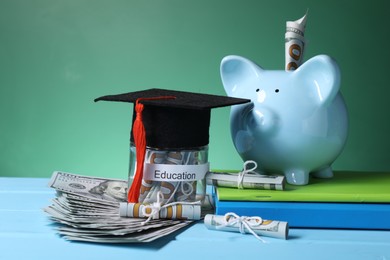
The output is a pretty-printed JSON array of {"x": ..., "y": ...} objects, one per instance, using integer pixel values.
[{"x": 110, "y": 190}]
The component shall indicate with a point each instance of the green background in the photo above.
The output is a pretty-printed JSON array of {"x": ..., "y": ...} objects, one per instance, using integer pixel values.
[{"x": 56, "y": 56}]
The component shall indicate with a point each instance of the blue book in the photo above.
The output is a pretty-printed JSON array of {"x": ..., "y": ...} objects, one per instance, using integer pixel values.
[{"x": 313, "y": 214}]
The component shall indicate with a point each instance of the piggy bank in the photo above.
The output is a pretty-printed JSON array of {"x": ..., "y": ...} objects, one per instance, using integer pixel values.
[{"x": 297, "y": 122}]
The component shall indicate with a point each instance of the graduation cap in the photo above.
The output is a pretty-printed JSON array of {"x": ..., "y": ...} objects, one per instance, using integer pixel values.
[{"x": 168, "y": 119}]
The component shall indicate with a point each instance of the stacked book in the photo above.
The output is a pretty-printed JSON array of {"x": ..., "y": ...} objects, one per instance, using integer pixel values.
[{"x": 352, "y": 200}]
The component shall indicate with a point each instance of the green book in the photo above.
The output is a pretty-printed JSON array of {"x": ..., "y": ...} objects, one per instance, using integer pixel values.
[{"x": 345, "y": 186}]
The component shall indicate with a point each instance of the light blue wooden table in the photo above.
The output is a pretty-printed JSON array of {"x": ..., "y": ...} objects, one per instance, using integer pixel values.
[{"x": 27, "y": 233}]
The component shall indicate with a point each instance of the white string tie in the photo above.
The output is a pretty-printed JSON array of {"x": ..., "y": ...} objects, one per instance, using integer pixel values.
[
  {"x": 186, "y": 192},
  {"x": 157, "y": 206},
  {"x": 243, "y": 223},
  {"x": 240, "y": 177},
  {"x": 189, "y": 190}
]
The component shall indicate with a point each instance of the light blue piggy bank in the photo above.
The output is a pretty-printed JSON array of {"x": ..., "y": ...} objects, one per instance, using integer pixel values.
[{"x": 297, "y": 122}]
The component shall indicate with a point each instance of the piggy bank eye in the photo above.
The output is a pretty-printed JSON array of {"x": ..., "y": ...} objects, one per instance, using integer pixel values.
[
  {"x": 277, "y": 90},
  {"x": 257, "y": 90}
]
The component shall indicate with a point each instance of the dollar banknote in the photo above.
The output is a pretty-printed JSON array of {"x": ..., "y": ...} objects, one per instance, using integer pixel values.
[
  {"x": 100, "y": 189},
  {"x": 269, "y": 228},
  {"x": 249, "y": 181},
  {"x": 295, "y": 43},
  {"x": 87, "y": 209}
]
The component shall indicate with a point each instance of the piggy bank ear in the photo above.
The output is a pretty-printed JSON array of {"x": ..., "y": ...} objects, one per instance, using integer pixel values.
[
  {"x": 237, "y": 71},
  {"x": 320, "y": 77}
]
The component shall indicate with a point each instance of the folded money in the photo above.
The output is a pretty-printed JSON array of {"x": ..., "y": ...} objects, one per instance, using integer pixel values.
[
  {"x": 247, "y": 178},
  {"x": 252, "y": 181},
  {"x": 295, "y": 43},
  {"x": 173, "y": 211},
  {"x": 93, "y": 188},
  {"x": 87, "y": 209},
  {"x": 254, "y": 225}
]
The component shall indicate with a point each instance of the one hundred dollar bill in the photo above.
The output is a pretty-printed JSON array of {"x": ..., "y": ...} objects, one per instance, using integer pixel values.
[
  {"x": 87, "y": 210},
  {"x": 249, "y": 181},
  {"x": 295, "y": 43},
  {"x": 270, "y": 228},
  {"x": 177, "y": 211},
  {"x": 111, "y": 190},
  {"x": 74, "y": 234}
]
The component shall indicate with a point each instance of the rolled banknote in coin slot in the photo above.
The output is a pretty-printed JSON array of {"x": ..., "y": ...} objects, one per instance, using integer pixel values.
[
  {"x": 233, "y": 223},
  {"x": 295, "y": 43},
  {"x": 176, "y": 211}
]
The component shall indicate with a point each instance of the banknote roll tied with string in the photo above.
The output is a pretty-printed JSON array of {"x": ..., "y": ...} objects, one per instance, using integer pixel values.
[{"x": 169, "y": 145}]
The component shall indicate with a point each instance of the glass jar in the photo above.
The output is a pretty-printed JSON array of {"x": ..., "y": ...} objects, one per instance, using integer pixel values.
[{"x": 178, "y": 175}]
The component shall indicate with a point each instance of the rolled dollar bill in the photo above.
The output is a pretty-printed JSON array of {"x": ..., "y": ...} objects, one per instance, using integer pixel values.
[
  {"x": 145, "y": 188},
  {"x": 170, "y": 188},
  {"x": 234, "y": 223},
  {"x": 295, "y": 43},
  {"x": 173, "y": 174},
  {"x": 176, "y": 211},
  {"x": 249, "y": 181}
]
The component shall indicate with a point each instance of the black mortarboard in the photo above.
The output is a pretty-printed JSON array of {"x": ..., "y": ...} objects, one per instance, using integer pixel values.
[{"x": 175, "y": 119}]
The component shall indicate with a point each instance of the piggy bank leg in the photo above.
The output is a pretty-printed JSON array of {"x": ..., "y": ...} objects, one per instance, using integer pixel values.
[
  {"x": 324, "y": 173},
  {"x": 297, "y": 177}
]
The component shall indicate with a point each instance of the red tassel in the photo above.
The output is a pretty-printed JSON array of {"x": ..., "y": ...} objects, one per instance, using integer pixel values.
[{"x": 140, "y": 147}]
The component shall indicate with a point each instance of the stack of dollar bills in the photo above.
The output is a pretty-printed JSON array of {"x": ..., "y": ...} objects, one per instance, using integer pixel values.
[{"x": 87, "y": 209}]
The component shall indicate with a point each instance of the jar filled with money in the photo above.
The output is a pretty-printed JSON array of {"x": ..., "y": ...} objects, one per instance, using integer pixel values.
[{"x": 178, "y": 174}]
